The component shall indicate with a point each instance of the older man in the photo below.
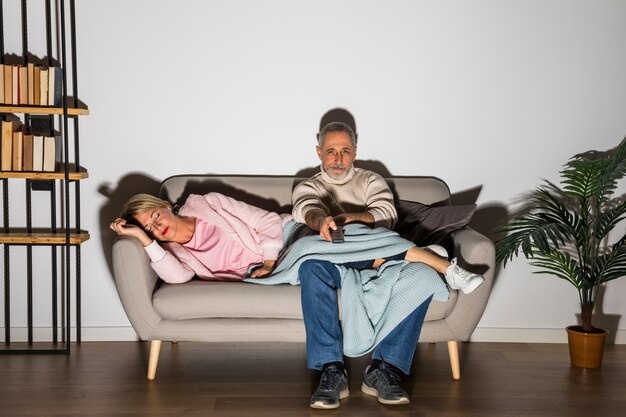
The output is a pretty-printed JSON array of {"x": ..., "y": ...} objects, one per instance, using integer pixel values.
[{"x": 341, "y": 194}]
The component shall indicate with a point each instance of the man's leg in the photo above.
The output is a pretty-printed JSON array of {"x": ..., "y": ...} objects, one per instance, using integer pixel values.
[
  {"x": 393, "y": 356},
  {"x": 319, "y": 281},
  {"x": 398, "y": 347}
]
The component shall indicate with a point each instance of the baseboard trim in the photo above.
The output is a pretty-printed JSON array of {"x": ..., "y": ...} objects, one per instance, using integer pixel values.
[
  {"x": 493, "y": 334},
  {"x": 481, "y": 334},
  {"x": 88, "y": 334}
]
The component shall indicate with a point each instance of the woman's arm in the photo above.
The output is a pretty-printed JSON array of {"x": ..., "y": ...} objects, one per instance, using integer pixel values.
[
  {"x": 123, "y": 228},
  {"x": 166, "y": 265}
]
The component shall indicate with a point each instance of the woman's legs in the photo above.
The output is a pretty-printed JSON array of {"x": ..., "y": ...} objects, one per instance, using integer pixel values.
[
  {"x": 416, "y": 254},
  {"x": 456, "y": 277}
]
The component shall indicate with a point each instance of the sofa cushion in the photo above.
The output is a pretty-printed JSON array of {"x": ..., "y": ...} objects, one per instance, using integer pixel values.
[
  {"x": 431, "y": 224},
  {"x": 203, "y": 299}
]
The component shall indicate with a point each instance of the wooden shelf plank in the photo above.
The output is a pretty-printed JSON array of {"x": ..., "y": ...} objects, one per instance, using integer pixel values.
[
  {"x": 74, "y": 176},
  {"x": 19, "y": 236},
  {"x": 75, "y": 108}
]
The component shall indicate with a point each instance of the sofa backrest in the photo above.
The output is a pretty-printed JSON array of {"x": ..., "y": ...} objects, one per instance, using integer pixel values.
[{"x": 273, "y": 192}]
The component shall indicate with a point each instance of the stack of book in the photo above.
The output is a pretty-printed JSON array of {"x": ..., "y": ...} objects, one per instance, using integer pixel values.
[
  {"x": 30, "y": 85},
  {"x": 23, "y": 150}
]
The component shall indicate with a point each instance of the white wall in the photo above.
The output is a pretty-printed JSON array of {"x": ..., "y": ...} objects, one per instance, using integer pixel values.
[{"x": 491, "y": 94}]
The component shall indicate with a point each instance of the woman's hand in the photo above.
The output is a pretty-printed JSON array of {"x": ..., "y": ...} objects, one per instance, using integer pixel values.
[
  {"x": 265, "y": 270},
  {"x": 122, "y": 228}
]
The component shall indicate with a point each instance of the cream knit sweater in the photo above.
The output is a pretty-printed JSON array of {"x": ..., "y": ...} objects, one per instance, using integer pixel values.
[{"x": 360, "y": 191}]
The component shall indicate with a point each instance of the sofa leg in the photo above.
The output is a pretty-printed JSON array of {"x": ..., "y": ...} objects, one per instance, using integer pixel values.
[
  {"x": 155, "y": 348},
  {"x": 453, "y": 352}
]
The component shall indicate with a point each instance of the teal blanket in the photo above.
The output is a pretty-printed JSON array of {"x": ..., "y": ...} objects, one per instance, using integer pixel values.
[{"x": 373, "y": 302}]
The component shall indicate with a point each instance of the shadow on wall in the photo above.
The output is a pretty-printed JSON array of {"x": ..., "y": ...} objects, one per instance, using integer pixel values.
[
  {"x": 486, "y": 218},
  {"x": 127, "y": 186},
  {"x": 204, "y": 185}
]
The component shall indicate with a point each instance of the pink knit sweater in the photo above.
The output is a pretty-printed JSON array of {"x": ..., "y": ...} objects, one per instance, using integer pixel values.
[{"x": 258, "y": 230}]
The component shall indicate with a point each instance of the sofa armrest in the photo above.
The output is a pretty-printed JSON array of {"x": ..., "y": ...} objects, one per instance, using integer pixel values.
[
  {"x": 475, "y": 253},
  {"x": 135, "y": 281}
]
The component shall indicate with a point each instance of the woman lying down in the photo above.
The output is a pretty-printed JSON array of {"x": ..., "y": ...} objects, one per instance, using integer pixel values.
[{"x": 218, "y": 238}]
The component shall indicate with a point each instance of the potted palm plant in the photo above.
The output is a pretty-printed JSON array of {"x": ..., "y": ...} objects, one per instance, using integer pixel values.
[{"x": 565, "y": 233}]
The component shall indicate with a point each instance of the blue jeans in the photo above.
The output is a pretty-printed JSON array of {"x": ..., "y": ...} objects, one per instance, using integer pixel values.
[{"x": 324, "y": 340}]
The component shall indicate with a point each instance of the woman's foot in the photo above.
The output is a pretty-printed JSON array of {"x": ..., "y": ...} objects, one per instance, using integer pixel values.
[{"x": 461, "y": 279}]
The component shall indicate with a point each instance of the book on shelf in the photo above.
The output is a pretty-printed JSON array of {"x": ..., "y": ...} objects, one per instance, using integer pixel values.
[
  {"x": 57, "y": 97},
  {"x": 36, "y": 80},
  {"x": 51, "y": 79},
  {"x": 51, "y": 153},
  {"x": 28, "y": 152},
  {"x": 1, "y": 83},
  {"x": 54, "y": 86},
  {"x": 44, "y": 149},
  {"x": 22, "y": 85},
  {"x": 37, "y": 152},
  {"x": 24, "y": 149},
  {"x": 18, "y": 150},
  {"x": 15, "y": 84},
  {"x": 43, "y": 87},
  {"x": 31, "y": 83},
  {"x": 8, "y": 84},
  {"x": 10, "y": 125},
  {"x": 6, "y": 146}
]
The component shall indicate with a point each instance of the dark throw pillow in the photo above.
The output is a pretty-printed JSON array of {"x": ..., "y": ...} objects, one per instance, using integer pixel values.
[{"x": 425, "y": 225}]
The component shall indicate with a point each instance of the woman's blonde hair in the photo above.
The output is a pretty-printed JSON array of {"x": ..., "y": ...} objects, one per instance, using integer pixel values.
[{"x": 140, "y": 203}]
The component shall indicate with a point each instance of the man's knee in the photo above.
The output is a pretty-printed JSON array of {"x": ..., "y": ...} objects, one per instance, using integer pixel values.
[
  {"x": 314, "y": 271},
  {"x": 313, "y": 267}
]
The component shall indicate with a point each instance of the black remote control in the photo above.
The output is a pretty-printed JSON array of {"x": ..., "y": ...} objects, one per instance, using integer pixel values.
[{"x": 337, "y": 235}]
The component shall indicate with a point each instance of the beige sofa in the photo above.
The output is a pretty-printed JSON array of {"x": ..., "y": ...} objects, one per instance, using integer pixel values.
[{"x": 201, "y": 311}]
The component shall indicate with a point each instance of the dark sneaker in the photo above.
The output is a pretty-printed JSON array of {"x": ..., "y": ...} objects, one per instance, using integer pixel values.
[
  {"x": 332, "y": 388},
  {"x": 384, "y": 383}
]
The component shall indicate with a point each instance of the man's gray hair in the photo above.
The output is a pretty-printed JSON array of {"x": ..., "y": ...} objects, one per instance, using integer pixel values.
[{"x": 336, "y": 127}]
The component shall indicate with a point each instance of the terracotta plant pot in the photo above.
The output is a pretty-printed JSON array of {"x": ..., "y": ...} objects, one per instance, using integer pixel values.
[{"x": 586, "y": 348}]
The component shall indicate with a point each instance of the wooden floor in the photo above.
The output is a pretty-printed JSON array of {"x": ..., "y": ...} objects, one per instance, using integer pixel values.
[{"x": 194, "y": 379}]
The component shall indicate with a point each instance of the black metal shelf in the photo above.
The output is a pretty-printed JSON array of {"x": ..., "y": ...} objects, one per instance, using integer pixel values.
[{"x": 63, "y": 241}]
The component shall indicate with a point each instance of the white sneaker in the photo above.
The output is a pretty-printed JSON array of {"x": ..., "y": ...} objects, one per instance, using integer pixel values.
[
  {"x": 437, "y": 250},
  {"x": 461, "y": 279}
]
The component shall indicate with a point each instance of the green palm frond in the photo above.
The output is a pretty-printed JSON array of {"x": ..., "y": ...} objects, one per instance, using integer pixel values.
[
  {"x": 586, "y": 177},
  {"x": 582, "y": 178},
  {"x": 551, "y": 207},
  {"x": 560, "y": 264},
  {"x": 608, "y": 219},
  {"x": 614, "y": 170},
  {"x": 548, "y": 227},
  {"x": 611, "y": 266},
  {"x": 531, "y": 233}
]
